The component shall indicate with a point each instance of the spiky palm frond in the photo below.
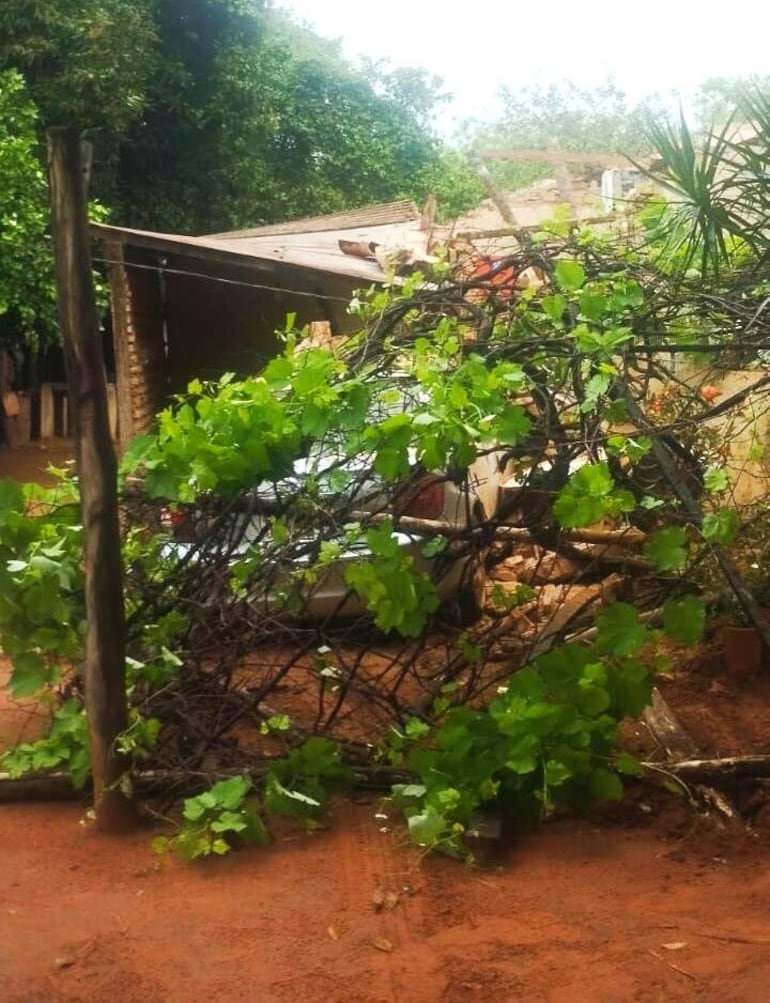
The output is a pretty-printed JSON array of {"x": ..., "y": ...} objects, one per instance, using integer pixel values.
[{"x": 720, "y": 185}]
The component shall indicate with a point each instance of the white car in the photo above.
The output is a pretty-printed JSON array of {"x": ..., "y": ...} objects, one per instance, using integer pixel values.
[{"x": 217, "y": 535}]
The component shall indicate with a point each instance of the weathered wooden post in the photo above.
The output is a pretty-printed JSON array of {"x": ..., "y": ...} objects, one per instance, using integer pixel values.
[
  {"x": 495, "y": 193},
  {"x": 105, "y": 692}
]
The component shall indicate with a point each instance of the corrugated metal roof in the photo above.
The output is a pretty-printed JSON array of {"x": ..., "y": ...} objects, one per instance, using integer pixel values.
[
  {"x": 386, "y": 214},
  {"x": 265, "y": 255}
]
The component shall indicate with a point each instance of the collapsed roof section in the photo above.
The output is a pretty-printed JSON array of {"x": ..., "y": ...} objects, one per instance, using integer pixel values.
[{"x": 365, "y": 244}]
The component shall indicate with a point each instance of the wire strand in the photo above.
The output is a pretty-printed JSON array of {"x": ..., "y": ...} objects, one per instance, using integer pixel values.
[{"x": 162, "y": 269}]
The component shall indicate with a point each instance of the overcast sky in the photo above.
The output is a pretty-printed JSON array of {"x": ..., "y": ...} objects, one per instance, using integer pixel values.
[{"x": 648, "y": 45}]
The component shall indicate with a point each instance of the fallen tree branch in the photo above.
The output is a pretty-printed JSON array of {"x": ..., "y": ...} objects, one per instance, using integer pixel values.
[
  {"x": 177, "y": 783},
  {"x": 694, "y": 514},
  {"x": 630, "y": 535},
  {"x": 716, "y": 771},
  {"x": 184, "y": 783}
]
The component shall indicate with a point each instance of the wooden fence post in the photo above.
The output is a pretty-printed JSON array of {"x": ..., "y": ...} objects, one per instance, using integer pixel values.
[{"x": 105, "y": 691}]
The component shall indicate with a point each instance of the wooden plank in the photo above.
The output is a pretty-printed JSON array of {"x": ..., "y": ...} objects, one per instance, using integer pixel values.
[
  {"x": 112, "y": 409},
  {"x": 605, "y": 160},
  {"x": 121, "y": 324},
  {"x": 47, "y": 423},
  {"x": 24, "y": 420},
  {"x": 507, "y": 231}
]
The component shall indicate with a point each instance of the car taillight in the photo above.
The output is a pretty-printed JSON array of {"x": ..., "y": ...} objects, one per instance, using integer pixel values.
[
  {"x": 179, "y": 522},
  {"x": 423, "y": 500}
]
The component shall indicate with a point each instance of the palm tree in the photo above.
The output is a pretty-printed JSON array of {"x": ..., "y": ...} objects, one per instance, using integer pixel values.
[{"x": 719, "y": 186}]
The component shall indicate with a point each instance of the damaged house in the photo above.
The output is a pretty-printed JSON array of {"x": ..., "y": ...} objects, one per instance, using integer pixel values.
[{"x": 185, "y": 307}]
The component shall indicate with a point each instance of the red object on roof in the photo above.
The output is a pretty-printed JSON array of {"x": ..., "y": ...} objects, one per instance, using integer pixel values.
[{"x": 496, "y": 273}]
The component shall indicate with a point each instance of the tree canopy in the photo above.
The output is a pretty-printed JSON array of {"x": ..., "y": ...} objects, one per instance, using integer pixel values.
[
  {"x": 577, "y": 119},
  {"x": 222, "y": 113},
  {"x": 27, "y": 297}
]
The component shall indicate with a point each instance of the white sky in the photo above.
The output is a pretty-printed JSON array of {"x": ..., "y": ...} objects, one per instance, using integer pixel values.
[{"x": 648, "y": 45}]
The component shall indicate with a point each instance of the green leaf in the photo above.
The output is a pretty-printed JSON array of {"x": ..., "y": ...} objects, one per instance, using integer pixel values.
[
  {"x": 428, "y": 827},
  {"x": 715, "y": 480},
  {"x": 619, "y": 630},
  {"x": 667, "y": 548},
  {"x": 160, "y": 845},
  {"x": 594, "y": 390},
  {"x": 722, "y": 526},
  {"x": 30, "y": 674},
  {"x": 634, "y": 447},
  {"x": 554, "y": 306},
  {"x": 278, "y": 722},
  {"x": 229, "y": 821},
  {"x": 294, "y": 795},
  {"x": 616, "y": 411},
  {"x": 569, "y": 275},
  {"x": 593, "y": 700},
  {"x": 416, "y": 728},
  {"x": 513, "y": 424},
  {"x": 605, "y": 785},
  {"x": 11, "y": 499},
  {"x": 589, "y": 496},
  {"x": 631, "y": 686},
  {"x": 685, "y": 620},
  {"x": 256, "y": 832},
  {"x": 556, "y": 773},
  {"x": 231, "y": 792},
  {"x": 194, "y": 809},
  {"x": 435, "y": 546},
  {"x": 628, "y": 765},
  {"x": 593, "y": 306},
  {"x": 339, "y": 479},
  {"x": 409, "y": 790}
]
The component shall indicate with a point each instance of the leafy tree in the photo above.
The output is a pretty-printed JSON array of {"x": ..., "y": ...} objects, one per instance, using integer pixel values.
[
  {"x": 253, "y": 119},
  {"x": 577, "y": 119},
  {"x": 195, "y": 157},
  {"x": 721, "y": 98},
  {"x": 548, "y": 736},
  {"x": 86, "y": 61},
  {"x": 28, "y": 313},
  {"x": 220, "y": 113},
  {"x": 27, "y": 294}
]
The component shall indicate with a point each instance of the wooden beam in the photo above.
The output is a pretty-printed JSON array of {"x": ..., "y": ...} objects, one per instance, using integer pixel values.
[
  {"x": 495, "y": 194},
  {"x": 47, "y": 423},
  {"x": 606, "y": 160},
  {"x": 105, "y": 657},
  {"x": 507, "y": 231}
]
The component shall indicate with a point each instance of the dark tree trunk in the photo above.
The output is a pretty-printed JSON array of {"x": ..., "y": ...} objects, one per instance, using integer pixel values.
[{"x": 105, "y": 692}]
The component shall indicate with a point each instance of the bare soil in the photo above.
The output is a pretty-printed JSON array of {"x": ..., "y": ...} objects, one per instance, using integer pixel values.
[
  {"x": 649, "y": 908},
  {"x": 648, "y": 901},
  {"x": 30, "y": 463}
]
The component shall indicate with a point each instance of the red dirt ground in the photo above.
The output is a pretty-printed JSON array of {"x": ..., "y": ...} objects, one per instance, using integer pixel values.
[
  {"x": 658, "y": 908},
  {"x": 645, "y": 902},
  {"x": 31, "y": 462},
  {"x": 648, "y": 902}
]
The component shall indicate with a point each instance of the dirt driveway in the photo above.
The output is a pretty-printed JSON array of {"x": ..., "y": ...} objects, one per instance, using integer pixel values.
[
  {"x": 648, "y": 903},
  {"x": 32, "y": 461},
  {"x": 650, "y": 906}
]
